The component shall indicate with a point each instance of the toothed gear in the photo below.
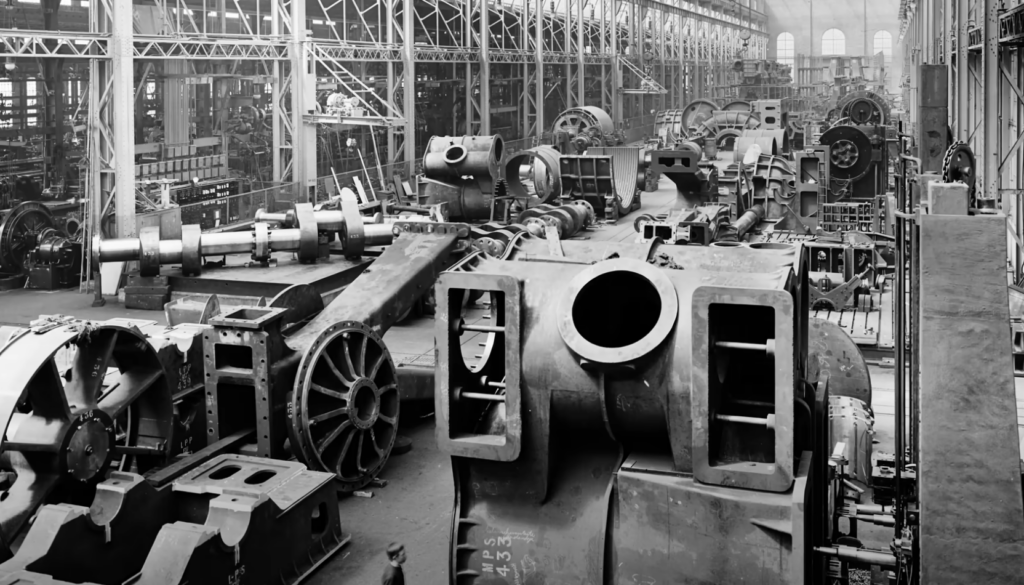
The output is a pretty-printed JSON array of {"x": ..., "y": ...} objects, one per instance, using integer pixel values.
[{"x": 958, "y": 166}]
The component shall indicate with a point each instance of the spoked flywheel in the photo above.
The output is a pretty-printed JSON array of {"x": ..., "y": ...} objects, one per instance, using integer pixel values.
[
  {"x": 958, "y": 166},
  {"x": 20, "y": 231},
  {"x": 77, "y": 400},
  {"x": 344, "y": 407}
]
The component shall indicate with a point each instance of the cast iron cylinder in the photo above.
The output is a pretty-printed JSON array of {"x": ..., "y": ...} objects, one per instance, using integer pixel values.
[{"x": 454, "y": 157}]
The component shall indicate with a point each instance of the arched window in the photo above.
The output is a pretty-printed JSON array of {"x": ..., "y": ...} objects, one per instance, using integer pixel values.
[
  {"x": 883, "y": 45},
  {"x": 784, "y": 50},
  {"x": 833, "y": 42}
]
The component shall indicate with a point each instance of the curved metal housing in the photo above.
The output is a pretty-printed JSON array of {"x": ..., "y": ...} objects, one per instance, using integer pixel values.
[
  {"x": 547, "y": 183},
  {"x": 697, "y": 380}
]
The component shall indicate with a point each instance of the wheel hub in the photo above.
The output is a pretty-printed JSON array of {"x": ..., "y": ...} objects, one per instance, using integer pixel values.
[
  {"x": 364, "y": 407},
  {"x": 844, "y": 154},
  {"x": 88, "y": 444}
]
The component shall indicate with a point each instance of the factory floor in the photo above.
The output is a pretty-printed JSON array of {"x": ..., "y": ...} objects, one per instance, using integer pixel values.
[{"x": 415, "y": 506}]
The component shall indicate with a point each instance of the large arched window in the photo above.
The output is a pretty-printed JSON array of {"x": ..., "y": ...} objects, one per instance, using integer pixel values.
[
  {"x": 784, "y": 50},
  {"x": 883, "y": 45},
  {"x": 833, "y": 42}
]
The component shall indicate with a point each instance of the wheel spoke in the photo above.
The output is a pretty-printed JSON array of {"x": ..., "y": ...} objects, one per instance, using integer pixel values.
[
  {"x": 329, "y": 438},
  {"x": 89, "y": 370},
  {"x": 343, "y": 452},
  {"x": 334, "y": 369},
  {"x": 46, "y": 393},
  {"x": 329, "y": 415},
  {"x": 376, "y": 366},
  {"x": 133, "y": 384},
  {"x": 391, "y": 420},
  {"x": 362, "y": 354},
  {"x": 329, "y": 392},
  {"x": 359, "y": 453},
  {"x": 373, "y": 441},
  {"x": 348, "y": 358},
  {"x": 388, "y": 388}
]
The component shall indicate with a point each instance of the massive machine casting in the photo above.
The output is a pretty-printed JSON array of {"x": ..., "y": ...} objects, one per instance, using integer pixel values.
[{"x": 683, "y": 439}]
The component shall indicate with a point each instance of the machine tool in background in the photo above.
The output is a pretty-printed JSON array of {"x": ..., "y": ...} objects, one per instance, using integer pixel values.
[
  {"x": 577, "y": 129},
  {"x": 35, "y": 252}
]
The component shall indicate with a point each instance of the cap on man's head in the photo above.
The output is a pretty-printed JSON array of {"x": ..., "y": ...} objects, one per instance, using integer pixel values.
[{"x": 394, "y": 549}]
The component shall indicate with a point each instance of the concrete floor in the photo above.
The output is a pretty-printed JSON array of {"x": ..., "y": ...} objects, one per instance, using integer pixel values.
[{"x": 415, "y": 507}]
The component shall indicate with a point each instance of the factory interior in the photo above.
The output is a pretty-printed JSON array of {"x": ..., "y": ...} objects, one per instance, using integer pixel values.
[{"x": 511, "y": 292}]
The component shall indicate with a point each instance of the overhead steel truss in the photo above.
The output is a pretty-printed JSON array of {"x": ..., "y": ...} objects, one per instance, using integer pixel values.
[{"x": 625, "y": 52}]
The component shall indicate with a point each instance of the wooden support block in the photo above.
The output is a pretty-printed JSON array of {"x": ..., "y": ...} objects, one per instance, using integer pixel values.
[{"x": 947, "y": 198}]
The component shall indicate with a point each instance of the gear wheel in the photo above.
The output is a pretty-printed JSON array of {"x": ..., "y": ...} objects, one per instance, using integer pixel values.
[{"x": 958, "y": 166}]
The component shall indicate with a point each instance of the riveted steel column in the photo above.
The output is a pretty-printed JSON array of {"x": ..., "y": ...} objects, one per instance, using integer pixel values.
[
  {"x": 581, "y": 93},
  {"x": 303, "y": 96},
  {"x": 538, "y": 57},
  {"x": 409, "y": 84},
  {"x": 485, "y": 68},
  {"x": 123, "y": 110},
  {"x": 990, "y": 139},
  {"x": 277, "y": 89},
  {"x": 616, "y": 76}
]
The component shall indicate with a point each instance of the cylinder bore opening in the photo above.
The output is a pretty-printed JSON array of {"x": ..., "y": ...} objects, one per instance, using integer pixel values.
[
  {"x": 599, "y": 323},
  {"x": 499, "y": 149},
  {"x": 771, "y": 246},
  {"x": 364, "y": 404},
  {"x": 455, "y": 154},
  {"x": 726, "y": 244}
]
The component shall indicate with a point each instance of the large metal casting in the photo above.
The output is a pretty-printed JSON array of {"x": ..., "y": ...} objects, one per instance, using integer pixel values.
[
  {"x": 701, "y": 381},
  {"x": 79, "y": 399},
  {"x": 541, "y": 167},
  {"x": 864, "y": 108},
  {"x": 725, "y": 127},
  {"x": 694, "y": 220},
  {"x": 462, "y": 171},
  {"x": 585, "y": 127},
  {"x": 343, "y": 407},
  {"x": 858, "y": 162},
  {"x": 696, "y": 112},
  {"x": 669, "y": 128},
  {"x": 610, "y": 184},
  {"x": 233, "y": 519}
]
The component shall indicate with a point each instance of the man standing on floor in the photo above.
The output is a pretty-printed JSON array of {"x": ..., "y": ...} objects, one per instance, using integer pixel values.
[{"x": 393, "y": 574}]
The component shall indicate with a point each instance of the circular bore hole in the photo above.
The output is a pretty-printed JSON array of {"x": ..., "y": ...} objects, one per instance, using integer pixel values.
[
  {"x": 613, "y": 329},
  {"x": 455, "y": 154},
  {"x": 726, "y": 244},
  {"x": 364, "y": 404}
]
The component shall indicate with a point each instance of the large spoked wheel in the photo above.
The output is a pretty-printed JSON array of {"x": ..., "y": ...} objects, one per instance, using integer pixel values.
[
  {"x": 77, "y": 401},
  {"x": 344, "y": 408}
]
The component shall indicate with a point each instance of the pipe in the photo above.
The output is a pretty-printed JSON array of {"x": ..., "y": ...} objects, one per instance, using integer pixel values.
[{"x": 749, "y": 219}]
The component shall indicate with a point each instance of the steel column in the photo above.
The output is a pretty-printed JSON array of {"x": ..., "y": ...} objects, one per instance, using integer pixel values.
[
  {"x": 485, "y": 69},
  {"x": 123, "y": 113},
  {"x": 538, "y": 57},
  {"x": 963, "y": 115},
  {"x": 990, "y": 139},
  {"x": 409, "y": 84}
]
